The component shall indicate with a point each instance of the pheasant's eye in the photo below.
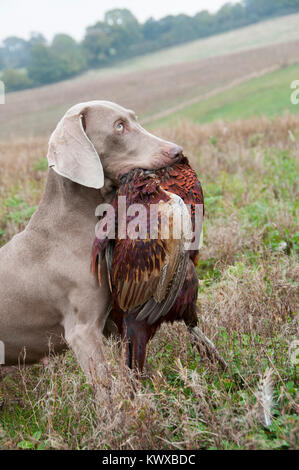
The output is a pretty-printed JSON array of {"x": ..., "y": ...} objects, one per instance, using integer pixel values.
[{"x": 120, "y": 128}]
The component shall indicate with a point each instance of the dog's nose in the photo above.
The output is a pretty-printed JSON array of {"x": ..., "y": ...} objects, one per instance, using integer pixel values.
[{"x": 176, "y": 152}]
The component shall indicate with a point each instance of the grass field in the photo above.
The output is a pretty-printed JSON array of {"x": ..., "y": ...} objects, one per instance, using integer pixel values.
[
  {"x": 248, "y": 290},
  {"x": 268, "y": 95},
  {"x": 248, "y": 272}
]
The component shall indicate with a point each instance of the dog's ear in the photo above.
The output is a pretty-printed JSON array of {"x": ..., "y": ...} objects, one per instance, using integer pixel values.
[{"x": 71, "y": 154}]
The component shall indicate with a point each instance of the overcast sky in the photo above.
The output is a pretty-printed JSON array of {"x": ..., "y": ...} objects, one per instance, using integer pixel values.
[{"x": 21, "y": 17}]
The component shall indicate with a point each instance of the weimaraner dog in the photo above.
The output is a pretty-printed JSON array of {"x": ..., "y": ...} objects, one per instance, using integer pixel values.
[{"x": 47, "y": 292}]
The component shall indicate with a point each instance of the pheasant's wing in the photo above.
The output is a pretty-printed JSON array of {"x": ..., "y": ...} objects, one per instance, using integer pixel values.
[
  {"x": 147, "y": 273},
  {"x": 154, "y": 308},
  {"x": 103, "y": 247}
]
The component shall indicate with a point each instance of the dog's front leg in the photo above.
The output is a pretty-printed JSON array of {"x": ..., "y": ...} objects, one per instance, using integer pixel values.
[
  {"x": 85, "y": 339},
  {"x": 87, "y": 346}
]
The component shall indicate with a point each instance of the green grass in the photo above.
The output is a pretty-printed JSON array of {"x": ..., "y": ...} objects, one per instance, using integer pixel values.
[{"x": 269, "y": 95}]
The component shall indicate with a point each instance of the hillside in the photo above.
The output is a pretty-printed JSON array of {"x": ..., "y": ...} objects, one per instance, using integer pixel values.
[
  {"x": 268, "y": 95},
  {"x": 269, "y": 32},
  {"x": 192, "y": 70}
]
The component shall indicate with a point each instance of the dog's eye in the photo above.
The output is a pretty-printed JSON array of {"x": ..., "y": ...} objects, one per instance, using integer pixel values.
[{"x": 120, "y": 128}]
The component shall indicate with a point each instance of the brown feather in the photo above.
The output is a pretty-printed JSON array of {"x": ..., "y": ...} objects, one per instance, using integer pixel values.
[{"x": 152, "y": 280}]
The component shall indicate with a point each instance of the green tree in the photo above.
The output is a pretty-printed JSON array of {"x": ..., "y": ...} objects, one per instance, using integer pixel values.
[
  {"x": 178, "y": 29},
  {"x": 46, "y": 66},
  {"x": 261, "y": 8},
  {"x": 15, "y": 79},
  {"x": 2, "y": 60},
  {"x": 97, "y": 44},
  {"x": 150, "y": 29},
  {"x": 37, "y": 38},
  {"x": 16, "y": 52},
  {"x": 205, "y": 23},
  {"x": 124, "y": 30},
  {"x": 71, "y": 53},
  {"x": 122, "y": 17},
  {"x": 229, "y": 16}
]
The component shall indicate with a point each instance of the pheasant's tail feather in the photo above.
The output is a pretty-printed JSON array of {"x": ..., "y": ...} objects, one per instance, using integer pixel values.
[
  {"x": 95, "y": 263},
  {"x": 99, "y": 273},
  {"x": 264, "y": 395},
  {"x": 153, "y": 310},
  {"x": 94, "y": 260},
  {"x": 211, "y": 349}
]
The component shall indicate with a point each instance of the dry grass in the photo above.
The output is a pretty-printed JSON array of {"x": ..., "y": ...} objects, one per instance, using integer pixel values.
[{"x": 247, "y": 298}]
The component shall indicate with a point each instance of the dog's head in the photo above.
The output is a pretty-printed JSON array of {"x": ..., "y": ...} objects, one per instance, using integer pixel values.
[{"x": 101, "y": 139}]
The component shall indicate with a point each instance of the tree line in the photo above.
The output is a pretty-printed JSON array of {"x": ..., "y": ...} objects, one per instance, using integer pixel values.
[{"x": 34, "y": 62}]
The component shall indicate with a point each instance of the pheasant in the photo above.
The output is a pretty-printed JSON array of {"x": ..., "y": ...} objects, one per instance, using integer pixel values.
[{"x": 153, "y": 279}]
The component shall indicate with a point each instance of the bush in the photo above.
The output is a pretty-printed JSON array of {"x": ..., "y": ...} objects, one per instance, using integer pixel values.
[{"x": 16, "y": 79}]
